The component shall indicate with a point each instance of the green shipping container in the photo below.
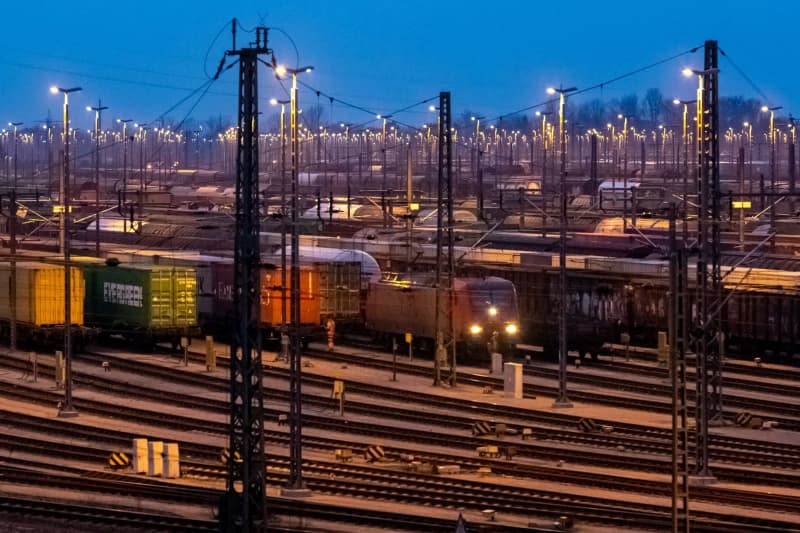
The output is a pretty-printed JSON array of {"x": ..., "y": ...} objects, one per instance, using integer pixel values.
[{"x": 147, "y": 297}]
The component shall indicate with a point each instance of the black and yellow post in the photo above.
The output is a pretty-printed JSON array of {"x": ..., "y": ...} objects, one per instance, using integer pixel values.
[{"x": 118, "y": 461}]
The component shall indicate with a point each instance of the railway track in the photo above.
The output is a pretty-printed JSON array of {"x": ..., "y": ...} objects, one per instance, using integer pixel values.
[
  {"x": 634, "y": 439},
  {"x": 511, "y": 506},
  {"x": 377, "y": 430},
  {"x": 456, "y": 492},
  {"x": 104, "y": 517}
]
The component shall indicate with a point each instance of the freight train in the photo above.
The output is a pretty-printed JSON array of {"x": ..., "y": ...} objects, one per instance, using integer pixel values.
[{"x": 607, "y": 297}]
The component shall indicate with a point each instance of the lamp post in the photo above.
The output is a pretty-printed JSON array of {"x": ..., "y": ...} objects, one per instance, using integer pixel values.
[
  {"x": 124, "y": 122},
  {"x": 543, "y": 186},
  {"x": 624, "y": 119},
  {"x": 142, "y": 134},
  {"x": 685, "y": 139},
  {"x": 347, "y": 165},
  {"x": 478, "y": 169},
  {"x": 764, "y": 109},
  {"x": 562, "y": 400},
  {"x": 282, "y": 125},
  {"x": 98, "y": 110},
  {"x": 67, "y": 409},
  {"x": 14, "y": 125},
  {"x": 296, "y": 483}
]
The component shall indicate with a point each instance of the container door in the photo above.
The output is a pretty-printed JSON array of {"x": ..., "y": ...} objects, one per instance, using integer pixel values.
[
  {"x": 185, "y": 297},
  {"x": 161, "y": 298}
]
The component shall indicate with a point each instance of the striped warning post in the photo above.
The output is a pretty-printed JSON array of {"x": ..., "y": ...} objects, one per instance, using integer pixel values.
[
  {"x": 225, "y": 456},
  {"x": 118, "y": 461},
  {"x": 374, "y": 453},
  {"x": 743, "y": 418},
  {"x": 587, "y": 425},
  {"x": 481, "y": 428}
]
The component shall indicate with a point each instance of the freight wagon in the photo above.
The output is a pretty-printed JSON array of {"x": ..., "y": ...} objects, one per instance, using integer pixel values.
[
  {"x": 142, "y": 303},
  {"x": 483, "y": 308},
  {"x": 271, "y": 301},
  {"x": 40, "y": 304}
]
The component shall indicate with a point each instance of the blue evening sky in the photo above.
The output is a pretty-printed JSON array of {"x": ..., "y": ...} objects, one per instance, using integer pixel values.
[{"x": 141, "y": 57}]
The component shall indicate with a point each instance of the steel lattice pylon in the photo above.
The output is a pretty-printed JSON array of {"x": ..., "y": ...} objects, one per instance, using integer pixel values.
[
  {"x": 245, "y": 507},
  {"x": 445, "y": 266},
  {"x": 707, "y": 317},
  {"x": 678, "y": 312}
]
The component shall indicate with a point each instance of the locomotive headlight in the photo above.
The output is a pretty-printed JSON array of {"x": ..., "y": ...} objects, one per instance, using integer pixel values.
[
  {"x": 475, "y": 329},
  {"x": 511, "y": 329},
  {"x": 492, "y": 311}
]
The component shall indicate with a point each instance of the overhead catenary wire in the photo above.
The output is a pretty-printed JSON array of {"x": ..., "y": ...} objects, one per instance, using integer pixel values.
[
  {"x": 602, "y": 84},
  {"x": 746, "y": 78}
]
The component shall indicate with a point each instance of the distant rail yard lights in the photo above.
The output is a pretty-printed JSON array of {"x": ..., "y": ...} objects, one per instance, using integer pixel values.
[
  {"x": 685, "y": 140},
  {"x": 67, "y": 409},
  {"x": 296, "y": 482},
  {"x": 562, "y": 400}
]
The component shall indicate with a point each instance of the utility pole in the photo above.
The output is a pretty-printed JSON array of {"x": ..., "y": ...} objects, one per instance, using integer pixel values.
[
  {"x": 445, "y": 266},
  {"x": 561, "y": 399},
  {"x": 245, "y": 507},
  {"x": 678, "y": 335},
  {"x": 707, "y": 327},
  {"x": 98, "y": 110},
  {"x": 67, "y": 409}
]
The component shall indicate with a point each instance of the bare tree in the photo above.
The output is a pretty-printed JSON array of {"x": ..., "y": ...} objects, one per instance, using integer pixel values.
[
  {"x": 312, "y": 117},
  {"x": 654, "y": 103},
  {"x": 629, "y": 106},
  {"x": 218, "y": 124}
]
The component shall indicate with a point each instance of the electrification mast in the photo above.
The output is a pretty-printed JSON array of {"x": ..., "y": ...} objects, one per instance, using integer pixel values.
[
  {"x": 245, "y": 491},
  {"x": 678, "y": 334},
  {"x": 445, "y": 266},
  {"x": 707, "y": 318}
]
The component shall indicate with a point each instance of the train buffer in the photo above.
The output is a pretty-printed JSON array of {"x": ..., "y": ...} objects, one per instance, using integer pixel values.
[
  {"x": 489, "y": 514},
  {"x": 488, "y": 451},
  {"x": 587, "y": 425},
  {"x": 527, "y": 433},
  {"x": 510, "y": 452},
  {"x": 374, "y": 453},
  {"x": 118, "y": 461},
  {"x": 344, "y": 455},
  {"x": 283, "y": 419}
]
